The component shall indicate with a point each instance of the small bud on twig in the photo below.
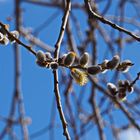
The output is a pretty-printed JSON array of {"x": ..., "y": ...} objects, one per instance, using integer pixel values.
[
  {"x": 4, "y": 41},
  {"x": 84, "y": 59},
  {"x": 121, "y": 96},
  {"x": 48, "y": 55},
  {"x": 40, "y": 55},
  {"x": 1, "y": 36},
  {"x": 42, "y": 63},
  {"x": 2, "y": 30},
  {"x": 114, "y": 62},
  {"x": 125, "y": 66},
  {"x": 104, "y": 66},
  {"x": 95, "y": 69},
  {"x": 112, "y": 88},
  {"x": 15, "y": 34},
  {"x": 69, "y": 59}
]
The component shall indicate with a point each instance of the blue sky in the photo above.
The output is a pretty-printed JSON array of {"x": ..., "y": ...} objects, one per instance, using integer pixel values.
[{"x": 37, "y": 83}]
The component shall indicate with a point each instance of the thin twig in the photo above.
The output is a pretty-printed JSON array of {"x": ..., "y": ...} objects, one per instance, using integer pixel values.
[
  {"x": 98, "y": 118},
  {"x": 136, "y": 79},
  {"x": 55, "y": 72},
  {"x": 17, "y": 40},
  {"x": 127, "y": 114},
  {"x": 62, "y": 30},
  {"x": 59, "y": 105},
  {"x": 92, "y": 14}
]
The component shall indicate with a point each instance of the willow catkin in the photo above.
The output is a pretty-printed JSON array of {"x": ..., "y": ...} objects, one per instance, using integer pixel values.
[
  {"x": 112, "y": 89},
  {"x": 84, "y": 59},
  {"x": 114, "y": 62},
  {"x": 69, "y": 59},
  {"x": 40, "y": 55},
  {"x": 125, "y": 66},
  {"x": 79, "y": 76},
  {"x": 95, "y": 69}
]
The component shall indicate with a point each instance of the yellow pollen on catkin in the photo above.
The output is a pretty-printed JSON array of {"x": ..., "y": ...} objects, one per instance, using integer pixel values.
[{"x": 79, "y": 76}]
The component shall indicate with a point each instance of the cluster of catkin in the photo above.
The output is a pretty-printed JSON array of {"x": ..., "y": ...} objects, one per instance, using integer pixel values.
[
  {"x": 120, "y": 91},
  {"x": 5, "y": 38},
  {"x": 81, "y": 70}
]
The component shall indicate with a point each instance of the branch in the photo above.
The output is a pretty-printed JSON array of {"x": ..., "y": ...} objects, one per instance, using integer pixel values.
[
  {"x": 92, "y": 14},
  {"x": 55, "y": 4},
  {"x": 17, "y": 40},
  {"x": 136, "y": 79},
  {"x": 55, "y": 72},
  {"x": 21, "y": 109},
  {"x": 62, "y": 30},
  {"x": 59, "y": 105},
  {"x": 127, "y": 114},
  {"x": 34, "y": 40},
  {"x": 96, "y": 111}
]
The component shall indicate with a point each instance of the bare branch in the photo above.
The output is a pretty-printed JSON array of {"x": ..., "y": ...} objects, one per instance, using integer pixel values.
[{"x": 93, "y": 15}]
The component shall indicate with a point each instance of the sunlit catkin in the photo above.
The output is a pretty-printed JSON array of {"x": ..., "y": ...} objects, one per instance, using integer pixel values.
[
  {"x": 40, "y": 55},
  {"x": 79, "y": 76},
  {"x": 69, "y": 59}
]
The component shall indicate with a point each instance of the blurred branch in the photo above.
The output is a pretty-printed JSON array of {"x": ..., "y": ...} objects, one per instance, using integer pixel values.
[
  {"x": 56, "y": 4},
  {"x": 95, "y": 109},
  {"x": 21, "y": 109},
  {"x": 34, "y": 40}
]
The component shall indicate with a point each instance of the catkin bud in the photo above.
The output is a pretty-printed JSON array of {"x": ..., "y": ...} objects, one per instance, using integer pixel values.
[
  {"x": 48, "y": 55},
  {"x": 114, "y": 62},
  {"x": 95, "y": 69},
  {"x": 122, "y": 89},
  {"x": 40, "y": 55},
  {"x": 120, "y": 83},
  {"x": 54, "y": 65},
  {"x": 121, "y": 96},
  {"x": 128, "y": 86},
  {"x": 125, "y": 66},
  {"x": 69, "y": 59},
  {"x": 15, "y": 34},
  {"x": 126, "y": 83},
  {"x": 112, "y": 88},
  {"x": 104, "y": 66},
  {"x": 1, "y": 36},
  {"x": 2, "y": 30},
  {"x": 4, "y": 41},
  {"x": 84, "y": 59},
  {"x": 130, "y": 89},
  {"x": 42, "y": 63},
  {"x": 61, "y": 59}
]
